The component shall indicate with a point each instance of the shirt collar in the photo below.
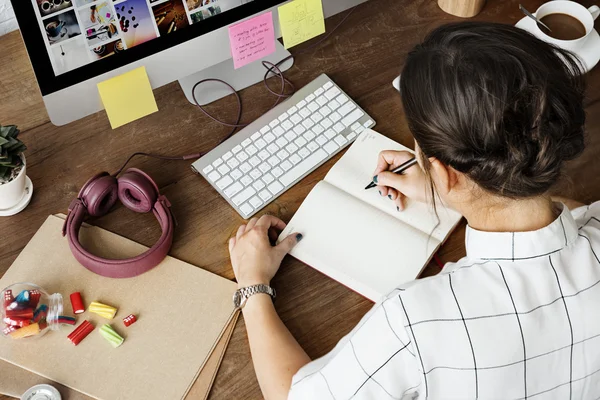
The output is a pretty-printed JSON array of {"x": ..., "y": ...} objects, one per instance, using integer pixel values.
[{"x": 513, "y": 246}]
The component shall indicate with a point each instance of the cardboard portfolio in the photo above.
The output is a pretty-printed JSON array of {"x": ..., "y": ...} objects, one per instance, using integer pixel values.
[{"x": 185, "y": 320}]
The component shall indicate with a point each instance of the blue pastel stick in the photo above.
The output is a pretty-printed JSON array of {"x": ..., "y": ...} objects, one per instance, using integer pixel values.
[
  {"x": 41, "y": 309},
  {"x": 23, "y": 297}
]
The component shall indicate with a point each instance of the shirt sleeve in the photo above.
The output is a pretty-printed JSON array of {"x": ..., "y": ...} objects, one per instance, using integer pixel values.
[{"x": 376, "y": 361}]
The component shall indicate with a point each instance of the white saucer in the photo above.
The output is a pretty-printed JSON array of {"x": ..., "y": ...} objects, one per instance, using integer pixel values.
[
  {"x": 21, "y": 204},
  {"x": 589, "y": 53}
]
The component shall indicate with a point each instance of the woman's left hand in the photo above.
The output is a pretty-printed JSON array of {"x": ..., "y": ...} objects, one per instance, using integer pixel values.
[{"x": 253, "y": 258}]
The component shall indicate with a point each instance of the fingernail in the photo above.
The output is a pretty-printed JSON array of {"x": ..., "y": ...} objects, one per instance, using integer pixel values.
[
  {"x": 390, "y": 196},
  {"x": 375, "y": 179},
  {"x": 381, "y": 194},
  {"x": 397, "y": 208},
  {"x": 299, "y": 237}
]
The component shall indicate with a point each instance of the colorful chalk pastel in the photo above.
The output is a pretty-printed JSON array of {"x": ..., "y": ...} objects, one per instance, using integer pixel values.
[
  {"x": 23, "y": 297},
  {"x": 20, "y": 313},
  {"x": 102, "y": 310},
  {"x": 65, "y": 320},
  {"x": 80, "y": 332},
  {"x": 43, "y": 324},
  {"x": 8, "y": 298},
  {"x": 40, "y": 313},
  {"x": 77, "y": 303},
  {"x": 9, "y": 329},
  {"x": 34, "y": 298},
  {"x": 30, "y": 330},
  {"x": 129, "y": 320},
  {"x": 111, "y": 336},
  {"x": 20, "y": 322}
]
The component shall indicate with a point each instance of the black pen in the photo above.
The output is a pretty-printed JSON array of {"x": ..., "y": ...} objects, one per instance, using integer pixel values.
[{"x": 397, "y": 170}]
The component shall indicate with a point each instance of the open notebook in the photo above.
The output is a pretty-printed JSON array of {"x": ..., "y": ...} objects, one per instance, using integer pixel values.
[{"x": 356, "y": 236}]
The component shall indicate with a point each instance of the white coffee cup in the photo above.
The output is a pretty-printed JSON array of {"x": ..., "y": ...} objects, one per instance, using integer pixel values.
[{"x": 585, "y": 15}]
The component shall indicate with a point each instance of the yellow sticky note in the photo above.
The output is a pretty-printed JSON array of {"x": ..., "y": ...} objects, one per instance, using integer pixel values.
[
  {"x": 300, "y": 21},
  {"x": 127, "y": 97}
]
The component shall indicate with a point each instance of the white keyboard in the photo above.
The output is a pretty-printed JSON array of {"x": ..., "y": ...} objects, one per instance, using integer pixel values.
[{"x": 263, "y": 160}]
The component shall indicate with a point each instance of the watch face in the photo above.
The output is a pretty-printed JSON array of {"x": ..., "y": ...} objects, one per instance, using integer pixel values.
[{"x": 237, "y": 299}]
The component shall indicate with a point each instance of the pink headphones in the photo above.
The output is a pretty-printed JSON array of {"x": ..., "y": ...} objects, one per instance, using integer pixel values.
[{"x": 138, "y": 192}]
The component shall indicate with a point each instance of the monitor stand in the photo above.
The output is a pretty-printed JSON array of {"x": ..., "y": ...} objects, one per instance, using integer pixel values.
[{"x": 239, "y": 78}]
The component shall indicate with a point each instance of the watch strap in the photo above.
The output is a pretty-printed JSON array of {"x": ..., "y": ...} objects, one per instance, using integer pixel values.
[{"x": 245, "y": 293}]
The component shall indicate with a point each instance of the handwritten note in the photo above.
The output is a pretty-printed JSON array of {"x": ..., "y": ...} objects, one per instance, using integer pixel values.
[
  {"x": 127, "y": 97},
  {"x": 300, "y": 21},
  {"x": 252, "y": 40}
]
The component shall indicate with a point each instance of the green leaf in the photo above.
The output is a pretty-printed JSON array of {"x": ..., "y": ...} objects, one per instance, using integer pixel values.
[{"x": 3, "y": 141}]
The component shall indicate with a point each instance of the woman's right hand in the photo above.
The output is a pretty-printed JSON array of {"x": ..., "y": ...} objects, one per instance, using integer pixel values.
[{"x": 412, "y": 183}]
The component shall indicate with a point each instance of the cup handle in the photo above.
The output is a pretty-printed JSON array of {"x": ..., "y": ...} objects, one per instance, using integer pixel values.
[{"x": 595, "y": 11}]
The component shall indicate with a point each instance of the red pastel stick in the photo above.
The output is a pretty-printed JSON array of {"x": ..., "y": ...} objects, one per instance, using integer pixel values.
[{"x": 23, "y": 313}]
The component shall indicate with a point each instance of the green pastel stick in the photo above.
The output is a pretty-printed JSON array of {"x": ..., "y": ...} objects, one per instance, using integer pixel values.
[{"x": 109, "y": 334}]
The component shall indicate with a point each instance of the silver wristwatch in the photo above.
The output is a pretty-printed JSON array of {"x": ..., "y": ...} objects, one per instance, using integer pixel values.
[{"x": 241, "y": 295}]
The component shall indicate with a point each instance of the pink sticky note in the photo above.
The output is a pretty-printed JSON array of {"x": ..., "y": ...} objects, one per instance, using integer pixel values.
[{"x": 252, "y": 40}]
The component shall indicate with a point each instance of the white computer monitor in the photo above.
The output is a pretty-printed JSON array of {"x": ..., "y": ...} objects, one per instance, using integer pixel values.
[{"x": 75, "y": 44}]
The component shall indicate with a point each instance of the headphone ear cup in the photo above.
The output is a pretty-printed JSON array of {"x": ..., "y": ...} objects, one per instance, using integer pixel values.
[
  {"x": 137, "y": 191},
  {"x": 99, "y": 194}
]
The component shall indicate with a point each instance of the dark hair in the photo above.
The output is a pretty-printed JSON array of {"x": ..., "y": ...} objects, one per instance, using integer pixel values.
[{"x": 497, "y": 104}]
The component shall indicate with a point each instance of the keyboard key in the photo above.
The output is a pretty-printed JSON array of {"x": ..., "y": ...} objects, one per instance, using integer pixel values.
[
  {"x": 335, "y": 116},
  {"x": 213, "y": 176},
  {"x": 269, "y": 137},
  {"x": 275, "y": 187},
  {"x": 339, "y": 127},
  {"x": 326, "y": 123},
  {"x": 299, "y": 129},
  {"x": 333, "y": 104},
  {"x": 224, "y": 182},
  {"x": 255, "y": 202},
  {"x": 227, "y": 155},
  {"x": 329, "y": 133},
  {"x": 308, "y": 123},
  {"x": 332, "y": 93},
  {"x": 352, "y": 117},
  {"x": 233, "y": 189},
  {"x": 287, "y": 124},
  {"x": 368, "y": 124},
  {"x": 321, "y": 140},
  {"x": 283, "y": 117},
  {"x": 296, "y": 119},
  {"x": 273, "y": 160},
  {"x": 255, "y": 174},
  {"x": 331, "y": 147},
  {"x": 277, "y": 172},
  {"x": 236, "y": 149},
  {"x": 223, "y": 169},
  {"x": 327, "y": 85},
  {"x": 346, "y": 108},
  {"x": 268, "y": 178},
  {"x": 325, "y": 111},
  {"x": 260, "y": 143},
  {"x": 272, "y": 148},
  {"x": 246, "y": 142},
  {"x": 245, "y": 167},
  {"x": 246, "y": 209},
  {"x": 293, "y": 109},
  {"x": 283, "y": 155},
  {"x": 359, "y": 130},
  {"x": 254, "y": 161},
  {"x": 355, "y": 126},
  {"x": 340, "y": 140},
  {"x": 242, "y": 155},
  {"x": 316, "y": 117},
  {"x": 309, "y": 135},
  {"x": 300, "y": 142},
  {"x": 312, "y": 146},
  {"x": 319, "y": 91},
  {"x": 303, "y": 167},
  {"x": 291, "y": 135},
  {"x": 286, "y": 165},
  {"x": 313, "y": 106},
  {"x": 233, "y": 163},
  {"x": 264, "y": 129},
  {"x": 236, "y": 174},
  {"x": 244, "y": 195},
  {"x": 265, "y": 195},
  {"x": 351, "y": 135},
  {"x": 255, "y": 136},
  {"x": 258, "y": 185},
  {"x": 322, "y": 100},
  {"x": 251, "y": 149},
  {"x": 207, "y": 169},
  {"x": 305, "y": 112},
  {"x": 295, "y": 159},
  {"x": 304, "y": 152},
  {"x": 318, "y": 129},
  {"x": 278, "y": 131},
  {"x": 246, "y": 180},
  {"x": 341, "y": 99},
  {"x": 291, "y": 148},
  {"x": 217, "y": 162},
  {"x": 309, "y": 98},
  {"x": 281, "y": 142},
  {"x": 274, "y": 123},
  {"x": 264, "y": 154},
  {"x": 264, "y": 167},
  {"x": 301, "y": 104}
]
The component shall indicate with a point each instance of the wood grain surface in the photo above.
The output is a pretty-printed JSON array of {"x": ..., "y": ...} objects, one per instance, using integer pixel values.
[{"x": 362, "y": 57}]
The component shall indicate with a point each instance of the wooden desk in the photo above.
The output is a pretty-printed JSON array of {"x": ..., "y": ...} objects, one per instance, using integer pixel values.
[{"x": 363, "y": 57}]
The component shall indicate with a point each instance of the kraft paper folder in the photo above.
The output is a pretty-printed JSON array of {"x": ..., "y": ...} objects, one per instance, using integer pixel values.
[{"x": 185, "y": 320}]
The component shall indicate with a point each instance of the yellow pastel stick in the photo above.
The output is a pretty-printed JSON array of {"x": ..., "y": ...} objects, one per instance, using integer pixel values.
[
  {"x": 29, "y": 330},
  {"x": 102, "y": 310}
]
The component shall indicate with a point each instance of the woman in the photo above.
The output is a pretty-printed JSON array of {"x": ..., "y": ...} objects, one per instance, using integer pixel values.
[{"x": 495, "y": 113}]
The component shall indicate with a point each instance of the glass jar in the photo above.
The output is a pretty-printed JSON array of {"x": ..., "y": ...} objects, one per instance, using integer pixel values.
[{"x": 28, "y": 311}]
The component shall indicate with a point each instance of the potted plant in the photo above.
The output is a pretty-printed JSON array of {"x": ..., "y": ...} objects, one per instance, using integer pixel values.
[{"x": 15, "y": 186}]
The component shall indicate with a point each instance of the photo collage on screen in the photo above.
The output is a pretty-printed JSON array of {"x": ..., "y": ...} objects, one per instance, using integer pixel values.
[{"x": 78, "y": 32}]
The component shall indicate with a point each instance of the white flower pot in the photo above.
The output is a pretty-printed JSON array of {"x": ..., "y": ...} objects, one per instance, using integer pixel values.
[{"x": 13, "y": 192}]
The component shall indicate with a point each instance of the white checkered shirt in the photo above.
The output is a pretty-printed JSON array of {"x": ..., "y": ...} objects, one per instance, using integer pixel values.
[{"x": 518, "y": 318}]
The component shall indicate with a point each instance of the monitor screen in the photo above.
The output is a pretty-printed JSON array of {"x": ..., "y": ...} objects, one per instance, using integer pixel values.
[{"x": 70, "y": 41}]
